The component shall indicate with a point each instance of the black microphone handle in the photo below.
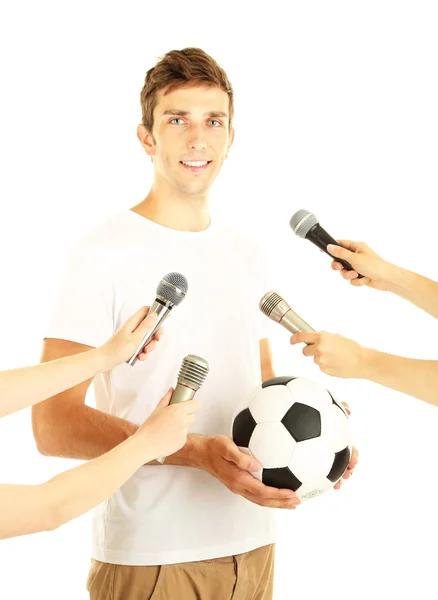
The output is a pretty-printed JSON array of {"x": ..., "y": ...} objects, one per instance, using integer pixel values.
[{"x": 319, "y": 236}]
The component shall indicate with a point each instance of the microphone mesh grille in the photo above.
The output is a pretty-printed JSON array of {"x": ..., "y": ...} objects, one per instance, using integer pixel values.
[
  {"x": 268, "y": 304},
  {"x": 194, "y": 370},
  {"x": 173, "y": 287},
  {"x": 302, "y": 222}
]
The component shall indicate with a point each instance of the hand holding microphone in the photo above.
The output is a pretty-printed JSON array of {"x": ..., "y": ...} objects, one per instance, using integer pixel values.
[
  {"x": 376, "y": 271},
  {"x": 171, "y": 291},
  {"x": 165, "y": 430},
  {"x": 127, "y": 338},
  {"x": 192, "y": 374},
  {"x": 305, "y": 225},
  {"x": 334, "y": 354}
]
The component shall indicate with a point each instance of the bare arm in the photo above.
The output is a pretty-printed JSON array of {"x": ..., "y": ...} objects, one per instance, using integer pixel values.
[
  {"x": 382, "y": 275},
  {"x": 28, "y": 509},
  {"x": 65, "y": 426},
  {"x": 341, "y": 357},
  {"x": 418, "y": 378},
  {"x": 21, "y": 388},
  {"x": 419, "y": 290}
]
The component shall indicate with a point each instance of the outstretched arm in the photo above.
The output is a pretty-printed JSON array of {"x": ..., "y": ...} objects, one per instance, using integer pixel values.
[
  {"x": 380, "y": 274},
  {"x": 341, "y": 357}
]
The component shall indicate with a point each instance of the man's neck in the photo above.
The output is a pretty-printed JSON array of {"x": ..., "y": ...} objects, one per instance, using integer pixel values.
[{"x": 175, "y": 212}]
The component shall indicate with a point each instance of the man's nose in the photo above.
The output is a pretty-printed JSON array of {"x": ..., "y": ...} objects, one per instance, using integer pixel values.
[{"x": 196, "y": 139}]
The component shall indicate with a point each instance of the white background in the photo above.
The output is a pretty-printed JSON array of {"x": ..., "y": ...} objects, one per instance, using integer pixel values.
[{"x": 336, "y": 112}]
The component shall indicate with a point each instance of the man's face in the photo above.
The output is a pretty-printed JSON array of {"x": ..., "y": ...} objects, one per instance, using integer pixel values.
[{"x": 191, "y": 137}]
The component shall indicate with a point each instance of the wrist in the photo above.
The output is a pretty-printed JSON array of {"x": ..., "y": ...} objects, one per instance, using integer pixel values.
[
  {"x": 367, "y": 363},
  {"x": 102, "y": 359},
  {"x": 195, "y": 453},
  {"x": 394, "y": 277}
]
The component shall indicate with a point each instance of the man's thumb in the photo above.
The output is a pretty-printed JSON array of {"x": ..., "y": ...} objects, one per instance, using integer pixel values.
[{"x": 246, "y": 462}]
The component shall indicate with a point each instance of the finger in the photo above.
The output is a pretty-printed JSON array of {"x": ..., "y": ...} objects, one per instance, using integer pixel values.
[
  {"x": 285, "y": 504},
  {"x": 190, "y": 406},
  {"x": 348, "y": 275},
  {"x": 150, "y": 347},
  {"x": 304, "y": 337},
  {"x": 147, "y": 324},
  {"x": 354, "y": 459},
  {"x": 262, "y": 491},
  {"x": 310, "y": 350},
  {"x": 338, "y": 485},
  {"x": 136, "y": 319},
  {"x": 339, "y": 252},
  {"x": 336, "y": 266},
  {"x": 360, "y": 282},
  {"x": 159, "y": 334},
  {"x": 347, "y": 408},
  {"x": 244, "y": 461},
  {"x": 165, "y": 400},
  {"x": 147, "y": 350},
  {"x": 349, "y": 245}
]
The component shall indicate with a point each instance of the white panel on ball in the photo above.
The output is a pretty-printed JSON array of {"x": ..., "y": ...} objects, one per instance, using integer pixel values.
[
  {"x": 272, "y": 445},
  {"x": 315, "y": 395},
  {"x": 270, "y": 404},
  {"x": 312, "y": 460},
  {"x": 335, "y": 428}
]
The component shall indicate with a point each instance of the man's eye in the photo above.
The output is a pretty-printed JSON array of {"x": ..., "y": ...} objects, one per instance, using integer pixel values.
[
  {"x": 176, "y": 119},
  {"x": 215, "y": 123}
]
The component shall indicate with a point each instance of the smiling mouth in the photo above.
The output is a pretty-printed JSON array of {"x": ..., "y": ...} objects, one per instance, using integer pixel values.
[{"x": 195, "y": 166}]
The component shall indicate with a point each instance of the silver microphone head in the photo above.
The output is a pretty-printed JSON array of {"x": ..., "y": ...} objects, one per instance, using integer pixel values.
[
  {"x": 173, "y": 288},
  {"x": 302, "y": 222},
  {"x": 193, "y": 371},
  {"x": 276, "y": 308},
  {"x": 273, "y": 306}
]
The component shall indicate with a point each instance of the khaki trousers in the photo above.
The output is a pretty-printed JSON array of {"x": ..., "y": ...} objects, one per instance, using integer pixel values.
[{"x": 248, "y": 576}]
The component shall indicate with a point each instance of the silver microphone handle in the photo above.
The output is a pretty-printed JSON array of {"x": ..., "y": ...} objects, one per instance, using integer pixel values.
[
  {"x": 293, "y": 323},
  {"x": 180, "y": 394},
  {"x": 162, "y": 312}
]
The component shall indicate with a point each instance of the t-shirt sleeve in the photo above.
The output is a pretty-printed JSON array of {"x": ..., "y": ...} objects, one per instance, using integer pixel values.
[{"x": 84, "y": 309}]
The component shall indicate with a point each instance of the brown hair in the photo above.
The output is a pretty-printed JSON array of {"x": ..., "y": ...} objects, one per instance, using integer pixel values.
[{"x": 178, "y": 68}]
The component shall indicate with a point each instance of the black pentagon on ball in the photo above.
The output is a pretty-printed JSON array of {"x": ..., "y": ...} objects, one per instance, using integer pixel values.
[
  {"x": 303, "y": 422},
  {"x": 243, "y": 428},
  {"x": 342, "y": 458},
  {"x": 281, "y": 478},
  {"x": 278, "y": 381}
]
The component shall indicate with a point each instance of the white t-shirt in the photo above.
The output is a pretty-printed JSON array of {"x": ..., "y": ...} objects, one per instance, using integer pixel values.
[{"x": 171, "y": 514}]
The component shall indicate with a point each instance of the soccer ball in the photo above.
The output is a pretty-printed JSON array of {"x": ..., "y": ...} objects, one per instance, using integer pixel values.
[{"x": 299, "y": 433}]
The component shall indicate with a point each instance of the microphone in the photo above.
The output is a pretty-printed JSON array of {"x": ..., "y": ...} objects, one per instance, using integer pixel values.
[
  {"x": 276, "y": 308},
  {"x": 171, "y": 291},
  {"x": 305, "y": 225},
  {"x": 191, "y": 376}
]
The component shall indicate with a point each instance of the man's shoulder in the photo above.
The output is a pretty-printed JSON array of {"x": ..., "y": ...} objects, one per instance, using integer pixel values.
[{"x": 109, "y": 233}]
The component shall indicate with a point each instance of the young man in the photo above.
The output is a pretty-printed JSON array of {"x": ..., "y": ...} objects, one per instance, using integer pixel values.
[
  {"x": 341, "y": 357},
  {"x": 205, "y": 531},
  {"x": 28, "y": 509}
]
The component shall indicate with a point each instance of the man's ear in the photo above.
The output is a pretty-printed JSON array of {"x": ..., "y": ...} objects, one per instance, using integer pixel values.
[{"x": 146, "y": 140}]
